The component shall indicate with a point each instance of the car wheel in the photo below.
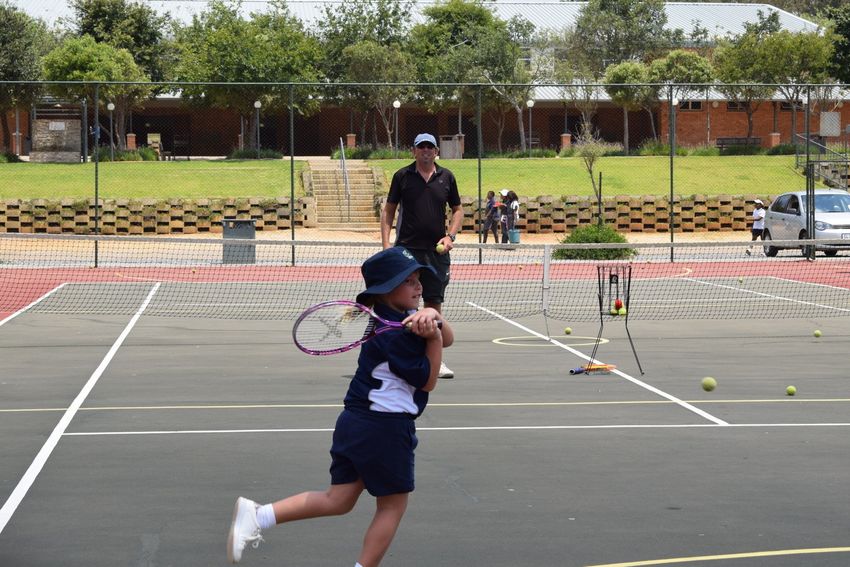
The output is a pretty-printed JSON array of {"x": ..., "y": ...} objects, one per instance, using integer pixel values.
[
  {"x": 807, "y": 251},
  {"x": 769, "y": 250}
]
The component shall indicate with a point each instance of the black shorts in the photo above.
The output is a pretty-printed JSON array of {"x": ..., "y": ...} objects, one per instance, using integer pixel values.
[
  {"x": 758, "y": 232},
  {"x": 433, "y": 287}
]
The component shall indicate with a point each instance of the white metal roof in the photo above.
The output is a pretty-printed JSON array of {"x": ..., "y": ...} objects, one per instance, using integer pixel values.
[{"x": 718, "y": 18}]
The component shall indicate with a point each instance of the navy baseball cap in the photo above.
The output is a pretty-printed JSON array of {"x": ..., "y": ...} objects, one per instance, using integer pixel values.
[
  {"x": 386, "y": 270},
  {"x": 420, "y": 138}
]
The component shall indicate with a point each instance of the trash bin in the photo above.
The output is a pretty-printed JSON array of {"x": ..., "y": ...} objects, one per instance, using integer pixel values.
[
  {"x": 238, "y": 253},
  {"x": 513, "y": 235}
]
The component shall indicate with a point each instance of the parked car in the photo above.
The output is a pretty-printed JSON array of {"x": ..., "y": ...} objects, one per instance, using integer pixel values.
[{"x": 786, "y": 218}]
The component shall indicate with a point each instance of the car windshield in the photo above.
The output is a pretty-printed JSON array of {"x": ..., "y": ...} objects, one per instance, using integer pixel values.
[{"x": 832, "y": 203}]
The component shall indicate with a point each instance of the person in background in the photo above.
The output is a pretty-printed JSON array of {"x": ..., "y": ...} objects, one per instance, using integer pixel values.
[
  {"x": 420, "y": 193},
  {"x": 758, "y": 223},
  {"x": 491, "y": 217}
]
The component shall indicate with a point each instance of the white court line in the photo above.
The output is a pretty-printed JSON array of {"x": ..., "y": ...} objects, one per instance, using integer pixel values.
[
  {"x": 460, "y": 428},
  {"x": 631, "y": 379},
  {"x": 768, "y": 295},
  {"x": 42, "y": 298},
  {"x": 38, "y": 463},
  {"x": 809, "y": 283}
]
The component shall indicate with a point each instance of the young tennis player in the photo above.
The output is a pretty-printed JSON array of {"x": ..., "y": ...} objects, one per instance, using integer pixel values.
[{"x": 374, "y": 437}]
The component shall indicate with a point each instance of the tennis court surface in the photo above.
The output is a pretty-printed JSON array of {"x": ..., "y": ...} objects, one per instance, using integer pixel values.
[{"x": 146, "y": 383}]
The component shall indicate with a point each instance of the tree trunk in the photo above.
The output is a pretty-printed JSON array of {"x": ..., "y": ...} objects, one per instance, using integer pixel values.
[
  {"x": 7, "y": 134},
  {"x": 626, "y": 130},
  {"x": 521, "y": 126}
]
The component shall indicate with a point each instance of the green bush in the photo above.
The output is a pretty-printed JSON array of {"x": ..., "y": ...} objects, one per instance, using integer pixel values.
[
  {"x": 657, "y": 148},
  {"x": 9, "y": 157},
  {"x": 781, "y": 150},
  {"x": 704, "y": 151},
  {"x": 141, "y": 154},
  {"x": 594, "y": 233},
  {"x": 357, "y": 152},
  {"x": 741, "y": 151},
  {"x": 252, "y": 154}
]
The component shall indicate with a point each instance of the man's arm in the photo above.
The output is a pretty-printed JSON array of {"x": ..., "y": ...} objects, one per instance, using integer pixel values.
[{"x": 387, "y": 217}]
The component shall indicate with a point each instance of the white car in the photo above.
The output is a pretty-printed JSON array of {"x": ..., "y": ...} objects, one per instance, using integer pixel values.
[{"x": 786, "y": 218}]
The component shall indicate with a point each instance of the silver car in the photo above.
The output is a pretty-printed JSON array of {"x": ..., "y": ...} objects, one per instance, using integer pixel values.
[{"x": 786, "y": 218}]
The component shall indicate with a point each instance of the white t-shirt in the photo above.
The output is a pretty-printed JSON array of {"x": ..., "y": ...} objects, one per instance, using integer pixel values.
[{"x": 758, "y": 218}]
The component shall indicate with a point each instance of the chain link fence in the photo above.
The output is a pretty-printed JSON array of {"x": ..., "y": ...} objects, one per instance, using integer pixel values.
[{"x": 123, "y": 158}]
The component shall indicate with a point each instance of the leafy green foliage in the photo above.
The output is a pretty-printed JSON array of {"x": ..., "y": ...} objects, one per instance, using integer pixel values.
[
  {"x": 594, "y": 233},
  {"x": 264, "y": 153}
]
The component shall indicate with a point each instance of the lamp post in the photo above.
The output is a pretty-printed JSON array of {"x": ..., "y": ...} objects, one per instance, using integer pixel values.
[
  {"x": 257, "y": 106},
  {"x": 530, "y": 104},
  {"x": 396, "y": 106},
  {"x": 110, "y": 107}
]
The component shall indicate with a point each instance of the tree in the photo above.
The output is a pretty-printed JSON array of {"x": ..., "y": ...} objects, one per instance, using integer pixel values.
[
  {"x": 737, "y": 65},
  {"x": 23, "y": 41},
  {"x": 626, "y": 84},
  {"x": 611, "y": 31},
  {"x": 840, "y": 16},
  {"x": 791, "y": 60},
  {"x": 128, "y": 25},
  {"x": 368, "y": 62},
  {"x": 686, "y": 71},
  {"x": 83, "y": 59},
  {"x": 221, "y": 46}
]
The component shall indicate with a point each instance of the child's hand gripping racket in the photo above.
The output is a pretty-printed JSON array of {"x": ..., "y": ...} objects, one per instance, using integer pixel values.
[{"x": 334, "y": 327}]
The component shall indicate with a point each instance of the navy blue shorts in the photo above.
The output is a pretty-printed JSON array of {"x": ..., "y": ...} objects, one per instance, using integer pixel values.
[
  {"x": 433, "y": 287},
  {"x": 378, "y": 450}
]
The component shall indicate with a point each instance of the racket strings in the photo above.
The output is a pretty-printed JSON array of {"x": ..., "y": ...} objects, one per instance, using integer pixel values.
[{"x": 333, "y": 328}]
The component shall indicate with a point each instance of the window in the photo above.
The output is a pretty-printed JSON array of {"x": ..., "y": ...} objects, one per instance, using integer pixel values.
[
  {"x": 780, "y": 204},
  {"x": 690, "y": 105},
  {"x": 785, "y": 106},
  {"x": 736, "y": 106}
]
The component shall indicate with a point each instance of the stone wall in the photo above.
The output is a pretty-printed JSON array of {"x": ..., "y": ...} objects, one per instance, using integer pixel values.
[
  {"x": 56, "y": 140},
  {"x": 543, "y": 214}
]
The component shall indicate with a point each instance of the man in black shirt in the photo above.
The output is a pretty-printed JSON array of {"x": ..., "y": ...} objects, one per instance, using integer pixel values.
[{"x": 420, "y": 193}]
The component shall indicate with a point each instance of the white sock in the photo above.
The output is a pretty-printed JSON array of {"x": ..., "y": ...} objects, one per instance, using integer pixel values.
[
  {"x": 265, "y": 516},
  {"x": 358, "y": 564}
]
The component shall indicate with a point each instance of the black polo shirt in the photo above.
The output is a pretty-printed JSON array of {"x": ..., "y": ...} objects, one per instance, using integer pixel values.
[{"x": 421, "y": 219}]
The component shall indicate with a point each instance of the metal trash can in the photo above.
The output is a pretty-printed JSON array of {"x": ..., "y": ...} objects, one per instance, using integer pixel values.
[{"x": 239, "y": 253}]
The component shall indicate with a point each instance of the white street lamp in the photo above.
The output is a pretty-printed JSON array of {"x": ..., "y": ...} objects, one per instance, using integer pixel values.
[
  {"x": 257, "y": 106},
  {"x": 530, "y": 104},
  {"x": 110, "y": 107},
  {"x": 396, "y": 106}
]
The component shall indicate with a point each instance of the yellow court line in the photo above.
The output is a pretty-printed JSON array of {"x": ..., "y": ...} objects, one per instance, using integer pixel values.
[
  {"x": 434, "y": 405},
  {"x": 749, "y": 555}
]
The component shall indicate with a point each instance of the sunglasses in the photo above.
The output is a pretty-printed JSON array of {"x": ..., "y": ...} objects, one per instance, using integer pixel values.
[{"x": 426, "y": 146}]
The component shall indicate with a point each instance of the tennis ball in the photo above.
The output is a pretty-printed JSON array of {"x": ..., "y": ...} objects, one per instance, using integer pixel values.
[
  {"x": 613, "y": 311},
  {"x": 621, "y": 311},
  {"x": 440, "y": 248},
  {"x": 817, "y": 333},
  {"x": 709, "y": 383},
  {"x": 740, "y": 280},
  {"x": 568, "y": 331},
  {"x": 790, "y": 390}
]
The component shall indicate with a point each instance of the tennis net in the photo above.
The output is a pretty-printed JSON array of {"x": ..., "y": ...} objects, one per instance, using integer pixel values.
[{"x": 272, "y": 279}]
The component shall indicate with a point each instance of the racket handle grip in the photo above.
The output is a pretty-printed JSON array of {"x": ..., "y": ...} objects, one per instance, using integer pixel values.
[
  {"x": 579, "y": 370},
  {"x": 439, "y": 326}
]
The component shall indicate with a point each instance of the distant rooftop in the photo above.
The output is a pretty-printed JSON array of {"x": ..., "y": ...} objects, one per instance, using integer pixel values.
[{"x": 720, "y": 19}]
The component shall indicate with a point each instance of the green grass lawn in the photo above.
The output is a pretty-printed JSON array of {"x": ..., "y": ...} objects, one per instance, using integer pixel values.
[
  {"x": 157, "y": 180},
  {"x": 700, "y": 175},
  {"x": 693, "y": 175}
]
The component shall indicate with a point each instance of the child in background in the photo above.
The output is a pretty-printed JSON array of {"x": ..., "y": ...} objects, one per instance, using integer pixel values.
[
  {"x": 375, "y": 436},
  {"x": 758, "y": 223},
  {"x": 491, "y": 218}
]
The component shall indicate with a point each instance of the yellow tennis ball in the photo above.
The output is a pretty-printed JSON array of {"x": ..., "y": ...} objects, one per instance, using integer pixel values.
[
  {"x": 709, "y": 383},
  {"x": 818, "y": 333},
  {"x": 568, "y": 331},
  {"x": 613, "y": 311},
  {"x": 790, "y": 390},
  {"x": 622, "y": 311},
  {"x": 440, "y": 248},
  {"x": 740, "y": 280}
]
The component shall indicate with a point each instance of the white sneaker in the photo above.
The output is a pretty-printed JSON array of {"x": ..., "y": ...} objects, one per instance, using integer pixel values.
[
  {"x": 749, "y": 251},
  {"x": 445, "y": 371},
  {"x": 244, "y": 529}
]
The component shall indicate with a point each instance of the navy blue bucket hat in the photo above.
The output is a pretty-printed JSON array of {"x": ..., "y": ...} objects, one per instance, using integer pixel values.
[{"x": 385, "y": 271}]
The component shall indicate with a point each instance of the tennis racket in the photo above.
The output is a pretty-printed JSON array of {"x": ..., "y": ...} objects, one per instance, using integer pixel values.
[{"x": 338, "y": 326}]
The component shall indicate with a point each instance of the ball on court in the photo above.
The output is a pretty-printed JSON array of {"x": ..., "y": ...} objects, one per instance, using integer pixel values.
[
  {"x": 709, "y": 383},
  {"x": 568, "y": 331},
  {"x": 613, "y": 311},
  {"x": 790, "y": 390},
  {"x": 440, "y": 248},
  {"x": 817, "y": 333},
  {"x": 519, "y": 268},
  {"x": 740, "y": 280},
  {"x": 621, "y": 311}
]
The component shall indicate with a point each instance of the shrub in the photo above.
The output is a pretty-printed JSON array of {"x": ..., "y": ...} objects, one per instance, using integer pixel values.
[
  {"x": 781, "y": 150},
  {"x": 704, "y": 151},
  {"x": 594, "y": 233},
  {"x": 252, "y": 154},
  {"x": 741, "y": 151},
  {"x": 9, "y": 157},
  {"x": 357, "y": 152}
]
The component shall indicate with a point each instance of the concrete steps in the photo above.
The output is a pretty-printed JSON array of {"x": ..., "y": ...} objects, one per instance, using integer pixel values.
[{"x": 335, "y": 211}]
